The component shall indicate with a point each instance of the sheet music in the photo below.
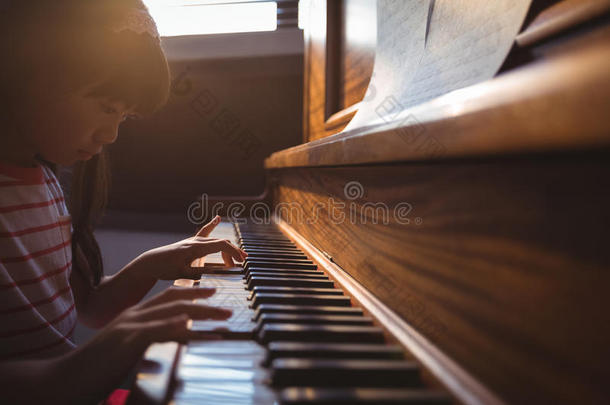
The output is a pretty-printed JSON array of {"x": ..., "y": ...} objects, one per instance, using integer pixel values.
[
  {"x": 461, "y": 43},
  {"x": 401, "y": 31}
]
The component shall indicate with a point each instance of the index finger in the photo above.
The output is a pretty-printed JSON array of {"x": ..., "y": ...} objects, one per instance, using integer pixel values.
[
  {"x": 209, "y": 227},
  {"x": 201, "y": 249}
]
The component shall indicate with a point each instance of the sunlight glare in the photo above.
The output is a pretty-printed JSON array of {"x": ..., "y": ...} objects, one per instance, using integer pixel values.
[{"x": 176, "y": 18}]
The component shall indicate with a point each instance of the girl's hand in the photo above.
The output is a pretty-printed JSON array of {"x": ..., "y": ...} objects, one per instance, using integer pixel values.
[
  {"x": 107, "y": 358},
  {"x": 165, "y": 317},
  {"x": 174, "y": 261}
]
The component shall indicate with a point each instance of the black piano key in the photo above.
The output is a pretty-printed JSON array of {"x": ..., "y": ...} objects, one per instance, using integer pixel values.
[
  {"x": 277, "y": 270},
  {"x": 279, "y": 260},
  {"x": 320, "y": 333},
  {"x": 361, "y": 396},
  {"x": 280, "y": 264},
  {"x": 302, "y": 309},
  {"x": 276, "y": 242},
  {"x": 269, "y": 255},
  {"x": 237, "y": 270},
  {"x": 254, "y": 227},
  {"x": 264, "y": 237},
  {"x": 294, "y": 290},
  {"x": 332, "y": 350},
  {"x": 260, "y": 232},
  {"x": 261, "y": 237},
  {"x": 258, "y": 266},
  {"x": 276, "y": 281},
  {"x": 267, "y": 319},
  {"x": 313, "y": 275},
  {"x": 252, "y": 232},
  {"x": 279, "y": 249},
  {"x": 272, "y": 249},
  {"x": 260, "y": 245},
  {"x": 344, "y": 373},
  {"x": 267, "y": 243},
  {"x": 301, "y": 299},
  {"x": 316, "y": 319},
  {"x": 257, "y": 270},
  {"x": 273, "y": 253}
]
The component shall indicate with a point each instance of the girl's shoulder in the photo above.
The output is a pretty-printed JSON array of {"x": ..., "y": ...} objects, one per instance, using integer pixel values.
[
  {"x": 31, "y": 191},
  {"x": 11, "y": 175}
]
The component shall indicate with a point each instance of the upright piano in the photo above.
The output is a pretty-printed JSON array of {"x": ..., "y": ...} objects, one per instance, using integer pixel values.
[{"x": 441, "y": 236}]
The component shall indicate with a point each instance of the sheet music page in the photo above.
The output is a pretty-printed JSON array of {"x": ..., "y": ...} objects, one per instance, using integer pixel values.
[
  {"x": 463, "y": 42},
  {"x": 401, "y": 30}
]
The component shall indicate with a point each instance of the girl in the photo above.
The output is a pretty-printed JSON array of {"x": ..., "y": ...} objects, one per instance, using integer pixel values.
[{"x": 73, "y": 71}]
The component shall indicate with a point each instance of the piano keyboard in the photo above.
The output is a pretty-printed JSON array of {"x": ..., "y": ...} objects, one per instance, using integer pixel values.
[{"x": 294, "y": 338}]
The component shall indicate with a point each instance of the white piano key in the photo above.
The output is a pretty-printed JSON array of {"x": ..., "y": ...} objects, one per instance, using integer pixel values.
[
  {"x": 197, "y": 393},
  {"x": 230, "y": 294},
  {"x": 197, "y": 360},
  {"x": 187, "y": 373},
  {"x": 227, "y": 347}
]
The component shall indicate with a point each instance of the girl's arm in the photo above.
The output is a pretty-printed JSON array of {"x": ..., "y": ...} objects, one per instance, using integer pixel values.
[
  {"x": 87, "y": 374},
  {"x": 97, "y": 306}
]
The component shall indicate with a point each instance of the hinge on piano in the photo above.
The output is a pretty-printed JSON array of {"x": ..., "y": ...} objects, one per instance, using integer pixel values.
[{"x": 329, "y": 257}]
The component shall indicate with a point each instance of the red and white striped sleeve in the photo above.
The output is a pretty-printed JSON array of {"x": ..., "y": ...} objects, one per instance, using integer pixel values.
[{"x": 37, "y": 312}]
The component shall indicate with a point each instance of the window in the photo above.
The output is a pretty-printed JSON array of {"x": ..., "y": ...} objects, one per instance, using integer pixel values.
[{"x": 197, "y": 17}]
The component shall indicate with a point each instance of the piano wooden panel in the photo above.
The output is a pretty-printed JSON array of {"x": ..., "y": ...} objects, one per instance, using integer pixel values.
[
  {"x": 503, "y": 265},
  {"x": 350, "y": 52},
  {"x": 556, "y": 16},
  {"x": 340, "y": 40}
]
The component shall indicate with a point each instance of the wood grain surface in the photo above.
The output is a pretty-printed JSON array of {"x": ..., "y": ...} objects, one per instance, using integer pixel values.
[
  {"x": 503, "y": 263},
  {"x": 562, "y": 15}
]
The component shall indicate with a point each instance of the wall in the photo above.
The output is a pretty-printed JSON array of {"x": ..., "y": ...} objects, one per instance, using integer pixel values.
[{"x": 236, "y": 99}]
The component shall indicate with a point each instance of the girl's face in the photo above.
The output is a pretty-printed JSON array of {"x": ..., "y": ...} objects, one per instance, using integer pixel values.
[{"x": 74, "y": 127}]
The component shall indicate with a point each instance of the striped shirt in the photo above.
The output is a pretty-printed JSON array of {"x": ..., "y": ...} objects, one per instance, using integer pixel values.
[{"x": 37, "y": 312}]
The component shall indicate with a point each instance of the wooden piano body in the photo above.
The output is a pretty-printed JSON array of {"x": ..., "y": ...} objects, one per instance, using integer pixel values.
[{"x": 494, "y": 256}]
